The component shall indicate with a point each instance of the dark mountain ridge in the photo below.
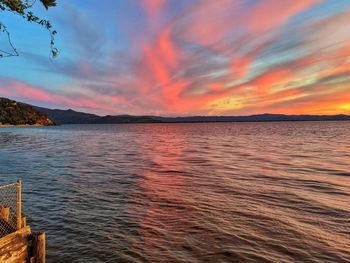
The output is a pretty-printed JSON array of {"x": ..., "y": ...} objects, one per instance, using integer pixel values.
[
  {"x": 69, "y": 116},
  {"x": 74, "y": 117}
]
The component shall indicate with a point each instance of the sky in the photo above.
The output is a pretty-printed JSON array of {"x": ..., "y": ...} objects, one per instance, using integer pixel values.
[{"x": 183, "y": 57}]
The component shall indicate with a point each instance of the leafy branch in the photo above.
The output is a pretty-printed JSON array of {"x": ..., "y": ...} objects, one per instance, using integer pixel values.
[{"x": 22, "y": 8}]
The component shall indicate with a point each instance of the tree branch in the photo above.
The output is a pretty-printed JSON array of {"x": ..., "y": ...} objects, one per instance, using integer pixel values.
[{"x": 20, "y": 7}]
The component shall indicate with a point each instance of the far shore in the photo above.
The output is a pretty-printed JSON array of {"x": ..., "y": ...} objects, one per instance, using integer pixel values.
[{"x": 20, "y": 125}]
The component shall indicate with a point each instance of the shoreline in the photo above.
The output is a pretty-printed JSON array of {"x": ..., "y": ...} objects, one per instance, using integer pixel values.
[{"x": 20, "y": 125}]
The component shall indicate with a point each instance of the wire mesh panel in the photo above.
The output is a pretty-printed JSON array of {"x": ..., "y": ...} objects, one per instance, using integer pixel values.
[{"x": 9, "y": 213}]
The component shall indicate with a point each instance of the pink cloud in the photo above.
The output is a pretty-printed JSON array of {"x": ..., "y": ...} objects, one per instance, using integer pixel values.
[
  {"x": 153, "y": 7},
  {"x": 270, "y": 14},
  {"x": 25, "y": 92}
]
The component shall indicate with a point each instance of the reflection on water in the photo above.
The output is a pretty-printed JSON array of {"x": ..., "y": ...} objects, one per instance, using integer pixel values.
[{"x": 234, "y": 192}]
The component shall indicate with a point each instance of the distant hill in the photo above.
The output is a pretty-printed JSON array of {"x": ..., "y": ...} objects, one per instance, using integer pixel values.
[
  {"x": 16, "y": 113},
  {"x": 69, "y": 116},
  {"x": 255, "y": 118},
  {"x": 128, "y": 119},
  {"x": 74, "y": 117}
]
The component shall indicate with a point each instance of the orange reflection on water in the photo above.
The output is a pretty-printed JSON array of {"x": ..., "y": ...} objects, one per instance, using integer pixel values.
[{"x": 161, "y": 219}]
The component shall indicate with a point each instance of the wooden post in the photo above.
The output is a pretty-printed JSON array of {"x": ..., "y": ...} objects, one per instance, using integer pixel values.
[
  {"x": 19, "y": 204},
  {"x": 39, "y": 247},
  {"x": 5, "y": 213},
  {"x": 24, "y": 221}
]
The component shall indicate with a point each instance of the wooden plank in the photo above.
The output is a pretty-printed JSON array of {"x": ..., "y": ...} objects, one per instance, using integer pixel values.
[{"x": 14, "y": 248}]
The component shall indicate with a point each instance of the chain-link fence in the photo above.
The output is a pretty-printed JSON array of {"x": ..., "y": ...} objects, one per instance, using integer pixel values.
[{"x": 10, "y": 208}]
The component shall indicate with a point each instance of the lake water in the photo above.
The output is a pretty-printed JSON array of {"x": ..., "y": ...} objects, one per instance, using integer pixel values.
[{"x": 224, "y": 192}]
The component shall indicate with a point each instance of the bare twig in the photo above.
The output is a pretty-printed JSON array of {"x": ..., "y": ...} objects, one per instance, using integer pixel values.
[{"x": 8, "y": 54}]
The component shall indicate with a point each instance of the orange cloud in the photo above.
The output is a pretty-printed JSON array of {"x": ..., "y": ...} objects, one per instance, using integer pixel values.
[
  {"x": 332, "y": 103},
  {"x": 240, "y": 66},
  {"x": 266, "y": 81},
  {"x": 156, "y": 67},
  {"x": 167, "y": 50}
]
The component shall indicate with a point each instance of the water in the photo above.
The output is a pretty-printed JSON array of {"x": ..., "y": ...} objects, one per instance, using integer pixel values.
[{"x": 225, "y": 192}]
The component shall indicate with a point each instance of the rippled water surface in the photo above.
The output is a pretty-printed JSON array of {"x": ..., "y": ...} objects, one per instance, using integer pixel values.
[{"x": 225, "y": 192}]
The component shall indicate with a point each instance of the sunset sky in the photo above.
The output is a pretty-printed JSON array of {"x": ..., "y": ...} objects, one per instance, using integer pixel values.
[{"x": 184, "y": 57}]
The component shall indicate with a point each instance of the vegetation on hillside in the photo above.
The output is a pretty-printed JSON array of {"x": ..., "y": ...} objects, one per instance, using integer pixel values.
[{"x": 16, "y": 113}]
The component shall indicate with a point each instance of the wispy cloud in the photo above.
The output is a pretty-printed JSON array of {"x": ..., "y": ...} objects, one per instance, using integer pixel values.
[{"x": 199, "y": 57}]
